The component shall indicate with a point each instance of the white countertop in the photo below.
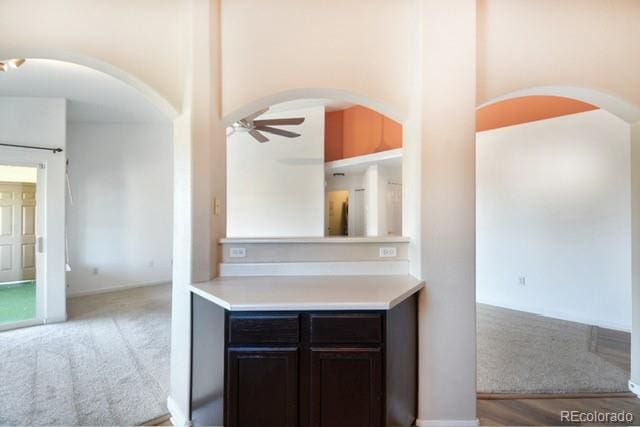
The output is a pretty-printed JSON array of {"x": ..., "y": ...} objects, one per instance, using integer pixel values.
[{"x": 308, "y": 292}]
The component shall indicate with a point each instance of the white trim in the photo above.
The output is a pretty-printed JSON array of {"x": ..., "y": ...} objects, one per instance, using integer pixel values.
[
  {"x": 16, "y": 282},
  {"x": 20, "y": 324},
  {"x": 634, "y": 388},
  {"x": 297, "y": 240},
  {"x": 555, "y": 314},
  {"x": 178, "y": 417},
  {"x": 57, "y": 319},
  {"x": 334, "y": 268},
  {"x": 74, "y": 294},
  {"x": 447, "y": 423},
  {"x": 363, "y": 160}
]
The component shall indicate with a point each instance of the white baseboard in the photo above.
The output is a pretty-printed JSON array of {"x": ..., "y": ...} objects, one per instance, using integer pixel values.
[
  {"x": 634, "y": 388},
  {"x": 555, "y": 314},
  {"x": 178, "y": 418},
  {"x": 73, "y": 294},
  {"x": 346, "y": 268},
  {"x": 447, "y": 423},
  {"x": 20, "y": 324},
  {"x": 55, "y": 319}
]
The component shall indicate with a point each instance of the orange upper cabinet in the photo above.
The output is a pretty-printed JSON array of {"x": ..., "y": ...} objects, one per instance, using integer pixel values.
[{"x": 363, "y": 131}]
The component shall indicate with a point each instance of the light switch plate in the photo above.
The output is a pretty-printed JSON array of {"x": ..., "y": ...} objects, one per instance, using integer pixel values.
[
  {"x": 388, "y": 252},
  {"x": 237, "y": 252}
]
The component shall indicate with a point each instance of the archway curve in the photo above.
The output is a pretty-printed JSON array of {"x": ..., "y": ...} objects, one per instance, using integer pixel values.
[
  {"x": 164, "y": 105},
  {"x": 313, "y": 93},
  {"x": 616, "y": 105}
]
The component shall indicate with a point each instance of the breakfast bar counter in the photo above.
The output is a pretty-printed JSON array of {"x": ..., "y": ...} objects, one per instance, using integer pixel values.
[
  {"x": 256, "y": 293},
  {"x": 304, "y": 351}
]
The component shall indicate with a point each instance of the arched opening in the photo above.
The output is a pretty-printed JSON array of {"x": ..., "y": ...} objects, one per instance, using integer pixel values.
[
  {"x": 555, "y": 213},
  {"x": 350, "y": 154},
  {"x": 102, "y": 238}
]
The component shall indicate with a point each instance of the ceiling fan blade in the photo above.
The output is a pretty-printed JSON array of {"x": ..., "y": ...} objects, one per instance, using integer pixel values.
[
  {"x": 281, "y": 122},
  {"x": 258, "y": 136},
  {"x": 250, "y": 117},
  {"x": 277, "y": 131}
]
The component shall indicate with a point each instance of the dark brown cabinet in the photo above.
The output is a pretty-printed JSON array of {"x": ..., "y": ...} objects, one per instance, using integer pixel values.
[
  {"x": 262, "y": 387},
  {"x": 304, "y": 368},
  {"x": 346, "y": 387}
]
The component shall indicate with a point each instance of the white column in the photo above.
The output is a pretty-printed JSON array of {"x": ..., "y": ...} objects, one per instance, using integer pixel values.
[
  {"x": 371, "y": 196},
  {"x": 447, "y": 335},
  {"x": 634, "y": 382},
  {"x": 192, "y": 197}
]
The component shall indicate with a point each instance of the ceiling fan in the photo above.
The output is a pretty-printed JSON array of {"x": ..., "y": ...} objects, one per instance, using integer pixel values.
[
  {"x": 256, "y": 128},
  {"x": 13, "y": 63}
]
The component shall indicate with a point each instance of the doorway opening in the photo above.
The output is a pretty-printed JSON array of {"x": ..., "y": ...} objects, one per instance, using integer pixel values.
[
  {"x": 17, "y": 244},
  {"x": 103, "y": 155},
  {"x": 553, "y": 248}
]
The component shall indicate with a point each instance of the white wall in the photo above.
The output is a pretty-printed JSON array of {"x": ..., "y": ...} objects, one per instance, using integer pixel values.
[
  {"x": 447, "y": 328},
  {"x": 554, "y": 207},
  {"x": 635, "y": 253},
  {"x": 120, "y": 222},
  {"x": 276, "y": 189},
  {"x": 42, "y": 122}
]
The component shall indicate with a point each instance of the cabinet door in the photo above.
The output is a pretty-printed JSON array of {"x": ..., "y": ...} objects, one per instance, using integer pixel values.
[
  {"x": 346, "y": 387},
  {"x": 262, "y": 387}
]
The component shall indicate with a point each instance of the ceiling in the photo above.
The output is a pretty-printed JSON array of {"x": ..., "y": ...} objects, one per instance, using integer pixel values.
[{"x": 92, "y": 95}]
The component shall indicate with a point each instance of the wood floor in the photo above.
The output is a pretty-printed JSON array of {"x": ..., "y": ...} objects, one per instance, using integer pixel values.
[
  {"x": 547, "y": 412},
  {"x": 532, "y": 411}
]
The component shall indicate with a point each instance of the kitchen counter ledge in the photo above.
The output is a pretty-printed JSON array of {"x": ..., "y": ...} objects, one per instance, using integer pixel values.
[{"x": 270, "y": 293}]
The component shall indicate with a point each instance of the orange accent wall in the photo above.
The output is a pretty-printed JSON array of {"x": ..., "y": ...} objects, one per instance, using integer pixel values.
[
  {"x": 526, "y": 109},
  {"x": 333, "y": 135},
  {"x": 357, "y": 131}
]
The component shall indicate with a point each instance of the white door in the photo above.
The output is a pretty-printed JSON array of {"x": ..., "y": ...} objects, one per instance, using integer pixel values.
[{"x": 17, "y": 232}]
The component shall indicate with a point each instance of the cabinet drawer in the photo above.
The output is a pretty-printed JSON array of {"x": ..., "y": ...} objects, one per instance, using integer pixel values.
[
  {"x": 346, "y": 328},
  {"x": 267, "y": 328}
]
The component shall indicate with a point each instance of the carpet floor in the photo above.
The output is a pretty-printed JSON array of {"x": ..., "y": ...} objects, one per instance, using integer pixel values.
[
  {"x": 107, "y": 365},
  {"x": 520, "y": 352},
  {"x": 17, "y": 302}
]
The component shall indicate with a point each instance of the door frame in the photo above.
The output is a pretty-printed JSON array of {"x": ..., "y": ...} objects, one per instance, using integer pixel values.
[{"x": 41, "y": 254}]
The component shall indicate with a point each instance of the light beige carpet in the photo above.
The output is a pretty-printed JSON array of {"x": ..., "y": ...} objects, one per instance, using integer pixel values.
[
  {"x": 107, "y": 365},
  {"x": 520, "y": 352}
]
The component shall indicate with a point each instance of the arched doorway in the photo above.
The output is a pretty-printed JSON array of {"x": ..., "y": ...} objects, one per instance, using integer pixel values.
[
  {"x": 106, "y": 233},
  {"x": 527, "y": 163}
]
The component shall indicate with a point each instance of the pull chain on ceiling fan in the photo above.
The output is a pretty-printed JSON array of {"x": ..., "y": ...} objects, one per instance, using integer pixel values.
[{"x": 256, "y": 128}]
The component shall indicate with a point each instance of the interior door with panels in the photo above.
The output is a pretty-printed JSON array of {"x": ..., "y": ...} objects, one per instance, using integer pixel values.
[{"x": 17, "y": 231}]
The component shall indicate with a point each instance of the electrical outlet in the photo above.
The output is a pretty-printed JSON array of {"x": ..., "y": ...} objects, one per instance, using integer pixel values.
[
  {"x": 388, "y": 252},
  {"x": 237, "y": 252},
  {"x": 522, "y": 280}
]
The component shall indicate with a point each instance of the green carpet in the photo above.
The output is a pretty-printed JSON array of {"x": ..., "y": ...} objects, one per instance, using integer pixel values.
[{"x": 17, "y": 302}]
